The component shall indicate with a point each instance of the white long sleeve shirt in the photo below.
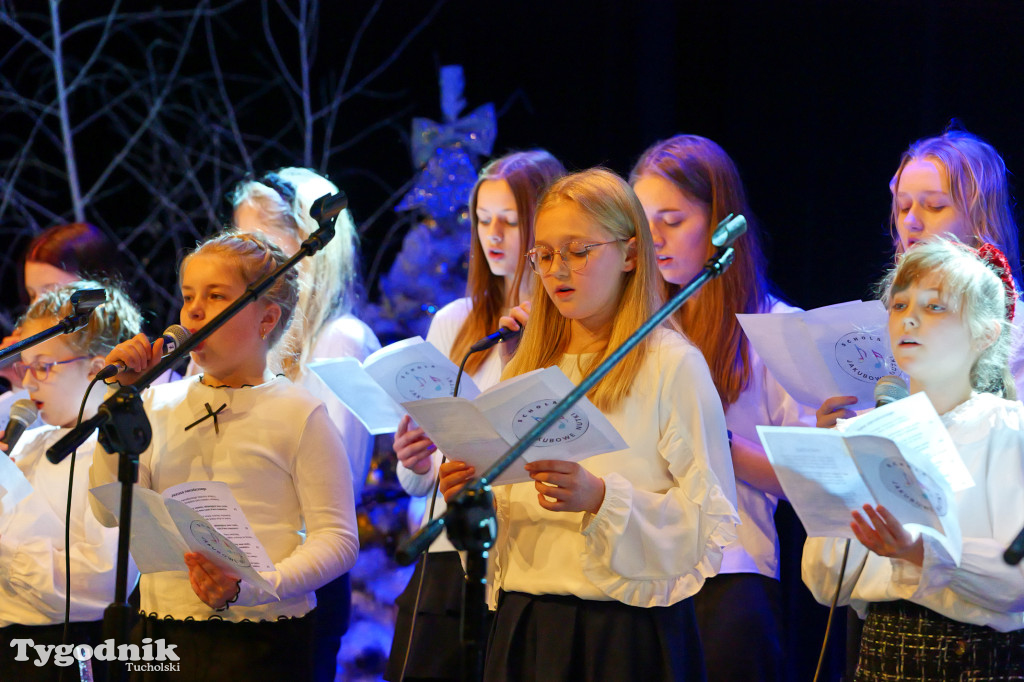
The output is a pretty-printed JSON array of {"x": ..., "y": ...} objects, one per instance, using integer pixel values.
[
  {"x": 989, "y": 434},
  {"x": 32, "y": 548},
  {"x": 669, "y": 504},
  {"x": 764, "y": 402},
  {"x": 344, "y": 337},
  {"x": 277, "y": 449},
  {"x": 443, "y": 329}
]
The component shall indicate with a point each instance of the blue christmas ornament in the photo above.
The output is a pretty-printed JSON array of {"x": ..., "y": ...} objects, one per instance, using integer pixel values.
[{"x": 430, "y": 270}]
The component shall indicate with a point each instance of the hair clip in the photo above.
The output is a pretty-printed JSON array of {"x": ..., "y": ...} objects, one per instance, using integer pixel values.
[
  {"x": 997, "y": 262},
  {"x": 285, "y": 189}
]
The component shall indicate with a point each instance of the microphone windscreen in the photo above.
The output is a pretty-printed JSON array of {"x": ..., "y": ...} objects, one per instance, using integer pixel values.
[
  {"x": 174, "y": 336},
  {"x": 889, "y": 389},
  {"x": 25, "y": 411}
]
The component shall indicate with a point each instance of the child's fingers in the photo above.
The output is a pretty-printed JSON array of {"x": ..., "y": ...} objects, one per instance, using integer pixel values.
[
  {"x": 551, "y": 478},
  {"x": 553, "y": 491},
  {"x": 833, "y": 409},
  {"x": 403, "y": 426},
  {"x": 553, "y": 465},
  {"x": 888, "y": 518}
]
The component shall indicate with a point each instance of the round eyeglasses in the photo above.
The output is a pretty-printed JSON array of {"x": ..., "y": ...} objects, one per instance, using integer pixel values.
[
  {"x": 574, "y": 255},
  {"x": 40, "y": 370}
]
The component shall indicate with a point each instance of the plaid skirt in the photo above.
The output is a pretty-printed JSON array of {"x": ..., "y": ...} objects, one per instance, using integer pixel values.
[{"x": 905, "y": 641}]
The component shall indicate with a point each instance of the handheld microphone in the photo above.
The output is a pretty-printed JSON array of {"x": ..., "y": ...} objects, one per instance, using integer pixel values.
[
  {"x": 889, "y": 389},
  {"x": 503, "y": 334},
  {"x": 23, "y": 415},
  {"x": 173, "y": 336}
]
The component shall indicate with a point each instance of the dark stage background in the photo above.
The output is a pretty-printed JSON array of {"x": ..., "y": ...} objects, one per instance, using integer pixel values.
[{"x": 814, "y": 100}]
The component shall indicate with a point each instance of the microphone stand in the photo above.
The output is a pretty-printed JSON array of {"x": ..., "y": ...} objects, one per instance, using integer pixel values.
[
  {"x": 83, "y": 302},
  {"x": 124, "y": 427},
  {"x": 470, "y": 519}
]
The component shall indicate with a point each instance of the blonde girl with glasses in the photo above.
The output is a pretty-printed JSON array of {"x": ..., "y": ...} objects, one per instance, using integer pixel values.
[
  {"x": 597, "y": 561},
  {"x": 56, "y": 374}
]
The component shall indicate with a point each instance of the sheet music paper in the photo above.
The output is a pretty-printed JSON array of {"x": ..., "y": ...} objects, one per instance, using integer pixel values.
[
  {"x": 164, "y": 527},
  {"x": 841, "y": 349},
  {"x": 407, "y": 370},
  {"x": 480, "y": 431},
  {"x": 901, "y": 458}
]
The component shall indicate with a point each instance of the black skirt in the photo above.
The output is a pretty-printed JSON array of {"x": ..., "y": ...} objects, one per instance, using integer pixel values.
[
  {"x": 217, "y": 650},
  {"x": 434, "y": 652},
  {"x": 905, "y": 641},
  {"x": 554, "y": 637}
]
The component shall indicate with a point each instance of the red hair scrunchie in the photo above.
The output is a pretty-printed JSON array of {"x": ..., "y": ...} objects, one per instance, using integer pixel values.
[{"x": 996, "y": 260}]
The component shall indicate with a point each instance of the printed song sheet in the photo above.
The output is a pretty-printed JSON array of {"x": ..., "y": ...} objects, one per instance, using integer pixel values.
[
  {"x": 901, "y": 458},
  {"x": 480, "y": 431},
  {"x": 197, "y": 516},
  {"x": 407, "y": 370},
  {"x": 836, "y": 350}
]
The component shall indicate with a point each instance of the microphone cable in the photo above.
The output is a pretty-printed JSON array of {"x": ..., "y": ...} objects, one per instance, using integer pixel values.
[
  {"x": 430, "y": 517},
  {"x": 832, "y": 610},
  {"x": 84, "y": 667}
]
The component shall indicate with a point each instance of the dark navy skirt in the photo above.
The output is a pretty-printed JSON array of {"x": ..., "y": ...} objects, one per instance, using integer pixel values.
[{"x": 554, "y": 637}]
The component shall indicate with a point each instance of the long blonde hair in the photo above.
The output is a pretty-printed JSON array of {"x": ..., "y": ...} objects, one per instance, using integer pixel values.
[
  {"x": 282, "y": 200},
  {"x": 528, "y": 174},
  {"x": 975, "y": 176},
  {"x": 704, "y": 173},
  {"x": 608, "y": 200}
]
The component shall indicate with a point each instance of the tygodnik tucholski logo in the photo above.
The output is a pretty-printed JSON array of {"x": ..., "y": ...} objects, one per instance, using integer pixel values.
[{"x": 152, "y": 656}]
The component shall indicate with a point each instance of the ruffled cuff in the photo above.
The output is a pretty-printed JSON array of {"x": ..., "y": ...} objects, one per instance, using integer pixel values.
[
  {"x": 250, "y": 595},
  {"x": 932, "y": 576},
  {"x": 649, "y": 572}
]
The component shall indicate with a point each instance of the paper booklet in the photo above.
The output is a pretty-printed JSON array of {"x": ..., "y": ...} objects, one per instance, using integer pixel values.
[
  {"x": 479, "y": 431},
  {"x": 196, "y": 516},
  {"x": 899, "y": 456},
  {"x": 407, "y": 370},
  {"x": 14, "y": 487},
  {"x": 841, "y": 349}
]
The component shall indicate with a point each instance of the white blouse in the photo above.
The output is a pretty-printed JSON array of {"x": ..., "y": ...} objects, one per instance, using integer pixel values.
[
  {"x": 669, "y": 505},
  {"x": 344, "y": 337},
  {"x": 443, "y": 330},
  {"x": 32, "y": 549},
  {"x": 276, "y": 448},
  {"x": 989, "y": 434},
  {"x": 765, "y": 402}
]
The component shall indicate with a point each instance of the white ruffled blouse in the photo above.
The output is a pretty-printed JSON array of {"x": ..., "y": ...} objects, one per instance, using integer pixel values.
[
  {"x": 670, "y": 498},
  {"x": 989, "y": 434}
]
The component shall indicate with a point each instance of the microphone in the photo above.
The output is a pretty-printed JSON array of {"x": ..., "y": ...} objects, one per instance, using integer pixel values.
[
  {"x": 173, "y": 336},
  {"x": 23, "y": 414},
  {"x": 1015, "y": 552},
  {"x": 889, "y": 389},
  {"x": 328, "y": 206},
  {"x": 503, "y": 334}
]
